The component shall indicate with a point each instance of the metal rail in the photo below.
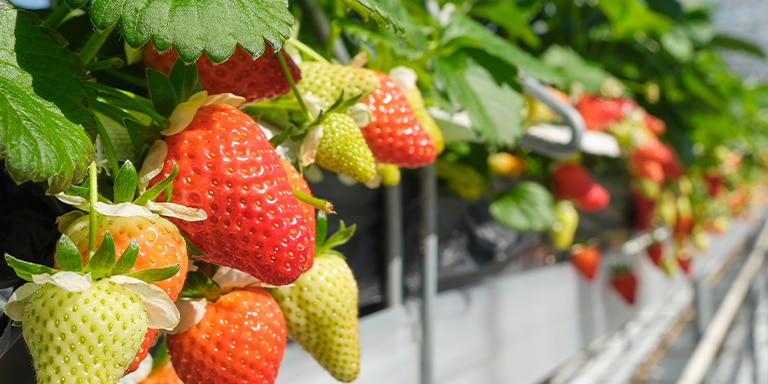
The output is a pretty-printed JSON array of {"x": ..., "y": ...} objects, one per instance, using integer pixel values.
[
  {"x": 429, "y": 269},
  {"x": 699, "y": 364}
]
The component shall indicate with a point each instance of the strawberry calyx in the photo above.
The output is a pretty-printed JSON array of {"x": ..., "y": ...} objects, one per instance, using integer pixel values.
[
  {"x": 324, "y": 244},
  {"x": 621, "y": 269}
]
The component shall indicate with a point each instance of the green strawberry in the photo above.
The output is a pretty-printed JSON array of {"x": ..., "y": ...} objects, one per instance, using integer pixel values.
[
  {"x": 343, "y": 149},
  {"x": 327, "y": 82},
  {"x": 566, "y": 222},
  {"x": 320, "y": 310},
  {"x": 84, "y": 337},
  {"x": 390, "y": 174}
]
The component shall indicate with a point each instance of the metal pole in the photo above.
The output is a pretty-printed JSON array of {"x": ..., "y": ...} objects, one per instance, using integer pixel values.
[
  {"x": 429, "y": 269},
  {"x": 393, "y": 213}
]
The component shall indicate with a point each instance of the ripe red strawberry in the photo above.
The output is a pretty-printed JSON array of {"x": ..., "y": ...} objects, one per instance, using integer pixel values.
[
  {"x": 654, "y": 124},
  {"x": 573, "y": 182},
  {"x": 715, "y": 183},
  {"x": 647, "y": 169},
  {"x": 160, "y": 245},
  {"x": 586, "y": 259},
  {"x": 298, "y": 183},
  {"x": 655, "y": 252},
  {"x": 624, "y": 281},
  {"x": 644, "y": 211},
  {"x": 228, "y": 168},
  {"x": 684, "y": 258},
  {"x": 655, "y": 150},
  {"x": 241, "y": 74},
  {"x": 599, "y": 112},
  {"x": 394, "y": 134},
  {"x": 240, "y": 338}
]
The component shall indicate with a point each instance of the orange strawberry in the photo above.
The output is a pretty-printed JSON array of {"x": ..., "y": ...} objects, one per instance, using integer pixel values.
[
  {"x": 586, "y": 259},
  {"x": 599, "y": 112}
]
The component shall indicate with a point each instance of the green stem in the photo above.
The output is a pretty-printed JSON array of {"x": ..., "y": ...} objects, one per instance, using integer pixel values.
[
  {"x": 318, "y": 203},
  {"x": 132, "y": 80},
  {"x": 287, "y": 73},
  {"x": 93, "y": 198},
  {"x": 59, "y": 15},
  {"x": 94, "y": 44},
  {"x": 109, "y": 149},
  {"x": 305, "y": 49},
  {"x": 111, "y": 63}
]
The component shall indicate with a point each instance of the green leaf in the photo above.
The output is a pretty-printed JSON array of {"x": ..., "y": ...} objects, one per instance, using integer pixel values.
[
  {"x": 25, "y": 269},
  {"x": 463, "y": 32},
  {"x": 127, "y": 260},
  {"x": 528, "y": 206},
  {"x": 163, "y": 95},
  {"x": 101, "y": 262},
  {"x": 630, "y": 16},
  {"x": 41, "y": 104},
  {"x": 185, "y": 80},
  {"x": 575, "y": 68},
  {"x": 342, "y": 235},
  {"x": 198, "y": 284},
  {"x": 677, "y": 43},
  {"x": 511, "y": 17},
  {"x": 67, "y": 255},
  {"x": 736, "y": 44},
  {"x": 494, "y": 109},
  {"x": 157, "y": 189},
  {"x": 321, "y": 228},
  {"x": 192, "y": 26},
  {"x": 125, "y": 183},
  {"x": 371, "y": 9},
  {"x": 155, "y": 274}
]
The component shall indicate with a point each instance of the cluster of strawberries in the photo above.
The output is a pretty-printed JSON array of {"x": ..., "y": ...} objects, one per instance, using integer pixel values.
[{"x": 215, "y": 189}]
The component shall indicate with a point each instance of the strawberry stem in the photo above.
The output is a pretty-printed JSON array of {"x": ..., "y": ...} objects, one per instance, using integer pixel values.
[
  {"x": 60, "y": 14},
  {"x": 318, "y": 203},
  {"x": 289, "y": 77},
  {"x": 93, "y": 198},
  {"x": 94, "y": 44},
  {"x": 308, "y": 51},
  {"x": 109, "y": 149}
]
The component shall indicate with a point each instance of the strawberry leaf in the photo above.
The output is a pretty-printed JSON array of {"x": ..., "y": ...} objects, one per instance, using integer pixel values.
[
  {"x": 41, "y": 104},
  {"x": 67, "y": 255},
  {"x": 370, "y": 9},
  {"x": 185, "y": 80},
  {"x": 155, "y": 274},
  {"x": 528, "y": 206},
  {"x": 493, "y": 107},
  {"x": 215, "y": 26},
  {"x": 25, "y": 269},
  {"x": 342, "y": 235},
  {"x": 125, "y": 183},
  {"x": 163, "y": 96},
  {"x": 127, "y": 260},
  {"x": 102, "y": 261}
]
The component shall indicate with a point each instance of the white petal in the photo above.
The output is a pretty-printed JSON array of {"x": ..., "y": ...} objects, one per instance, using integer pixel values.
[
  {"x": 192, "y": 311},
  {"x": 75, "y": 201},
  {"x": 18, "y": 301},
  {"x": 230, "y": 278},
  {"x": 361, "y": 114},
  {"x": 309, "y": 145},
  {"x": 140, "y": 374},
  {"x": 178, "y": 211},
  {"x": 345, "y": 179},
  {"x": 225, "y": 98},
  {"x": 404, "y": 77},
  {"x": 124, "y": 210},
  {"x": 375, "y": 182},
  {"x": 66, "y": 280},
  {"x": 153, "y": 163},
  {"x": 161, "y": 311},
  {"x": 314, "y": 104},
  {"x": 183, "y": 114}
]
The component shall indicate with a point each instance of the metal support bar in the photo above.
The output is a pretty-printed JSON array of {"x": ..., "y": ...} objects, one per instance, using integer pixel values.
[
  {"x": 394, "y": 239},
  {"x": 429, "y": 269},
  {"x": 698, "y": 366}
]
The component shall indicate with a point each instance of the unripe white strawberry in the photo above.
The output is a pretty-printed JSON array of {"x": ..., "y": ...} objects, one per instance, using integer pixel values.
[
  {"x": 320, "y": 311},
  {"x": 327, "y": 82},
  {"x": 84, "y": 337}
]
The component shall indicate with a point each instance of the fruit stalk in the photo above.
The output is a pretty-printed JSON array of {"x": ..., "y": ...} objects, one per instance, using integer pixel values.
[{"x": 295, "y": 90}]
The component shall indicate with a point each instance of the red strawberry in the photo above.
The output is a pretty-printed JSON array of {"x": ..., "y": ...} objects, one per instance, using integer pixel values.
[
  {"x": 298, "y": 183},
  {"x": 586, "y": 259},
  {"x": 684, "y": 258},
  {"x": 241, "y": 74},
  {"x": 654, "y": 124},
  {"x": 394, "y": 134},
  {"x": 240, "y": 338},
  {"x": 573, "y": 182},
  {"x": 228, "y": 168},
  {"x": 655, "y": 253},
  {"x": 655, "y": 150},
  {"x": 644, "y": 211},
  {"x": 715, "y": 183},
  {"x": 684, "y": 223},
  {"x": 624, "y": 281},
  {"x": 647, "y": 169},
  {"x": 599, "y": 112}
]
